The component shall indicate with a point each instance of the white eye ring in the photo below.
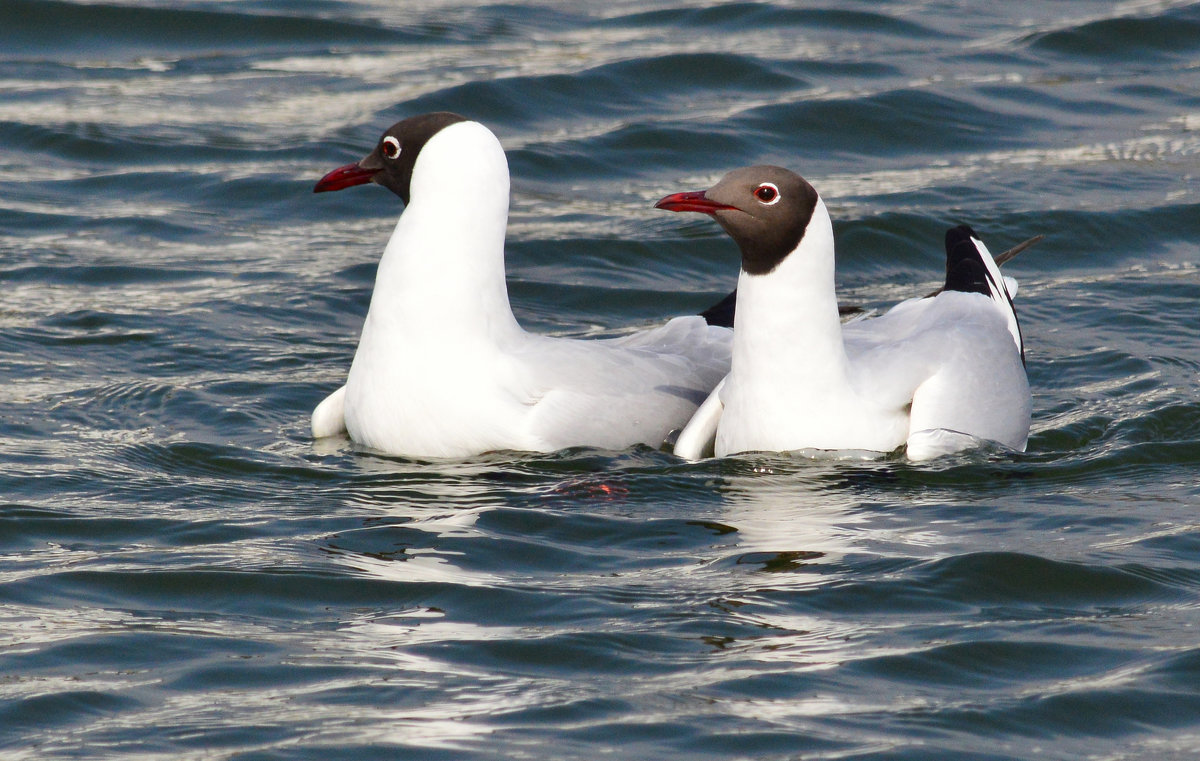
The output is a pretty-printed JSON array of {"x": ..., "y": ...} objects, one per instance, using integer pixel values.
[
  {"x": 390, "y": 147},
  {"x": 773, "y": 194}
]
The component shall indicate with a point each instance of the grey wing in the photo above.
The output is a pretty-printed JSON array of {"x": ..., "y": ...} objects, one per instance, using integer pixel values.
[{"x": 629, "y": 390}]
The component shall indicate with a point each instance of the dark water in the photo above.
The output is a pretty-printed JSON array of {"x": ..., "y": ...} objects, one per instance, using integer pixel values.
[{"x": 184, "y": 574}]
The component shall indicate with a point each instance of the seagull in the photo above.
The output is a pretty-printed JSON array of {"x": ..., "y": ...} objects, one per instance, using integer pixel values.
[
  {"x": 443, "y": 369},
  {"x": 932, "y": 375}
]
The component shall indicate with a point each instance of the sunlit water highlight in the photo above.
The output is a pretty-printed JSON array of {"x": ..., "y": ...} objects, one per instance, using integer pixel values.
[{"x": 185, "y": 574}]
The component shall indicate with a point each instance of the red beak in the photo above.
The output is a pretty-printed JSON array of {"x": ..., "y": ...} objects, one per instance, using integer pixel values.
[
  {"x": 693, "y": 201},
  {"x": 344, "y": 177}
]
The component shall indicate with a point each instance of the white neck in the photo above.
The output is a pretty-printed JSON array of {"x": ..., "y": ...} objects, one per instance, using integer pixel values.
[
  {"x": 792, "y": 384},
  {"x": 787, "y": 334},
  {"x": 442, "y": 274}
]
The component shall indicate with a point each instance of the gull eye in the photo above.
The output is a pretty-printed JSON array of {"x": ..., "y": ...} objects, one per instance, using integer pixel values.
[
  {"x": 767, "y": 193},
  {"x": 390, "y": 147}
]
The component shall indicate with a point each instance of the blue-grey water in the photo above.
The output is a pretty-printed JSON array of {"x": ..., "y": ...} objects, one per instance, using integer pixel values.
[{"x": 185, "y": 574}]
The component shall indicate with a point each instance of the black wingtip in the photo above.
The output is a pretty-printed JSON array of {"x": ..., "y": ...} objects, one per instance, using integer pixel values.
[
  {"x": 721, "y": 313},
  {"x": 959, "y": 233},
  {"x": 965, "y": 270}
]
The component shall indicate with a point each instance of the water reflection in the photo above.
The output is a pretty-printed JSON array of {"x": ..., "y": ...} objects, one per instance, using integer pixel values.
[{"x": 792, "y": 510}]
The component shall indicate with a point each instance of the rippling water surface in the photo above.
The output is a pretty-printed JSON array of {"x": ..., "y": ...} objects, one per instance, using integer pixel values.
[{"x": 185, "y": 574}]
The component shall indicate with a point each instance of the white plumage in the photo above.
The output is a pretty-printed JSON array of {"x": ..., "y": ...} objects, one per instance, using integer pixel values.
[
  {"x": 442, "y": 367},
  {"x": 933, "y": 375}
]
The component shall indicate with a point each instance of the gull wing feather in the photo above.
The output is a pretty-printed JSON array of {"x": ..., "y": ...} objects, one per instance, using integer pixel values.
[
  {"x": 329, "y": 418},
  {"x": 698, "y": 438}
]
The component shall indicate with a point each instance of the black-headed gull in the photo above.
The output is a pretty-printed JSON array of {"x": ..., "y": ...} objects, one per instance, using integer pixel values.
[
  {"x": 443, "y": 369},
  {"x": 934, "y": 374}
]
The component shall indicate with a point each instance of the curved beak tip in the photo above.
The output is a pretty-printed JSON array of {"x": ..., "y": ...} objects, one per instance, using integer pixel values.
[
  {"x": 691, "y": 201},
  {"x": 344, "y": 177}
]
